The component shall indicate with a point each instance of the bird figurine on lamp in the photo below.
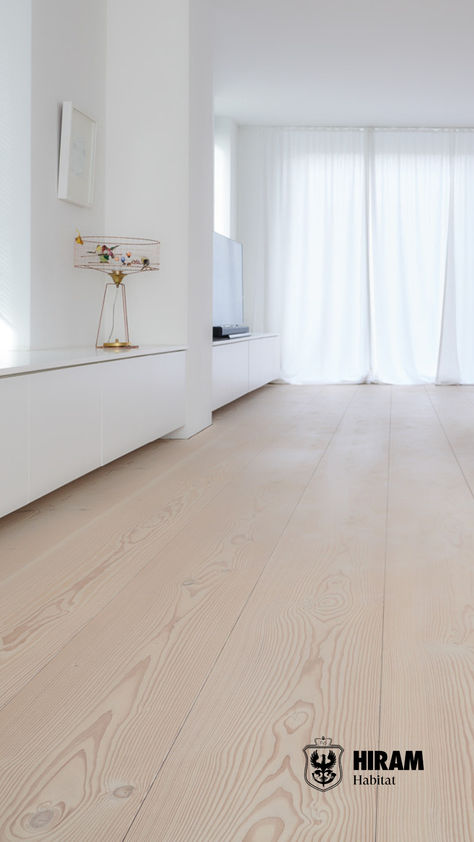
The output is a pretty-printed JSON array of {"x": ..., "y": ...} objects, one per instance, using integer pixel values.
[{"x": 118, "y": 256}]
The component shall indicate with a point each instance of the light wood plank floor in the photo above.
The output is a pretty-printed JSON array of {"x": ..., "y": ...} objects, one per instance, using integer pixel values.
[{"x": 177, "y": 626}]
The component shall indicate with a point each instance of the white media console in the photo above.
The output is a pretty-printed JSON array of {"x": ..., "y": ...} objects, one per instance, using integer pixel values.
[
  {"x": 242, "y": 364},
  {"x": 64, "y": 413}
]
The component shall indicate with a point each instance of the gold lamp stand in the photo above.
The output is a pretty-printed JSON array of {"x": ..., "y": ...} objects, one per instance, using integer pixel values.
[
  {"x": 117, "y": 286},
  {"x": 117, "y": 256}
]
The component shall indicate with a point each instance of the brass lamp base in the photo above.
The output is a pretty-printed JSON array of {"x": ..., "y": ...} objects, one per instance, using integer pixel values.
[
  {"x": 119, "y": 294},
  {"x": 117, "y": 344}
]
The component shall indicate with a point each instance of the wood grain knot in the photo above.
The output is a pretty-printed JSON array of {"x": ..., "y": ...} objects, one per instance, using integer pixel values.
[
  {"x": 266, "y": 830},
  {"x": 123, "y": 791},
  {"x": 333, "y": 599},
  {"x": 318, "y": 816},
  {"x": 46, "y": 815},
  {"x": 41, "y": 818},
  {"x": 295, "y": 720}
]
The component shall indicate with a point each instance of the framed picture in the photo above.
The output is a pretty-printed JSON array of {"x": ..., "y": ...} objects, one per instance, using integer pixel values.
[{"x": 76, "y": 157}]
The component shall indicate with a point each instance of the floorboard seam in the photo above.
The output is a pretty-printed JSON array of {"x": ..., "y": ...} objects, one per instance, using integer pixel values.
[
  {"x": 449, "y": 443},
  {"x": 257, "y": 582},
  {"x": 389, "y": 449}
]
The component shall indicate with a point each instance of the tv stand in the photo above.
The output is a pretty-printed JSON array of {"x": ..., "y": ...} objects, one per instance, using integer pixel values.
[{"x": 242, "y": 364}]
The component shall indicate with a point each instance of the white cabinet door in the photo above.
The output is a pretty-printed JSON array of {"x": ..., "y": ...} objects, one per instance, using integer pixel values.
[
  {"x": 64, "y": 426},
  {"x": 230, "y": 372},
  {"x": 14, "y": 443},
  {"x": 264, "y": 361},
  {"x": 143, "y": 399}
]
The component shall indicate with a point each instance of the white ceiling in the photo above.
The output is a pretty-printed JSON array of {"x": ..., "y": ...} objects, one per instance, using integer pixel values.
[{"x": 345, "y": 62}]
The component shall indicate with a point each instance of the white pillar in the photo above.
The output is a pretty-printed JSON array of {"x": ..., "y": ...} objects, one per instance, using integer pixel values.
[{"x": 159, "y": 174}]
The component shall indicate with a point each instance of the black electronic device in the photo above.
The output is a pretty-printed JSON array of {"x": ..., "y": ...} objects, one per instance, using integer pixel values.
[{"x": 229, "y": 331}]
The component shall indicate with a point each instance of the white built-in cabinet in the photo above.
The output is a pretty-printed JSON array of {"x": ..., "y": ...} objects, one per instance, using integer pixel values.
[
  {"x": 14, "y": 444},
  {"x": 58, "y": 420},
  {"x": 142, "y": 403},
  {"x": 243, "y": 364},
  {"x": 65, "y": 413},
  {"x": 65, "y": 424}
]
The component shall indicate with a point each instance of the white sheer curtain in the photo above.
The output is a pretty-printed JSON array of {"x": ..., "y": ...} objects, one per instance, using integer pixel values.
[
  {"x": 359, "y": 251},
  {"x": 457, "y": 347}
]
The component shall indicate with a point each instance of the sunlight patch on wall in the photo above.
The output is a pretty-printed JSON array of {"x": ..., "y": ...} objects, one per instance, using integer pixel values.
[{"x": 15, "y": 129}]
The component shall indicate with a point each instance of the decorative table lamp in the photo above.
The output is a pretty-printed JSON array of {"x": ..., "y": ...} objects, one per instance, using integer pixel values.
[{"x": 118, "y": 256}]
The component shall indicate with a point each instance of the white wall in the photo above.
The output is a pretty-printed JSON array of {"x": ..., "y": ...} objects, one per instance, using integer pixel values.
[
  {"x": 225, "y": 176},
  {"x": 143, "y": 70},
  {"x": 147, "y": 165},
  {"x": 68, "y": 63},
  {"x": 15, "y": 151}
]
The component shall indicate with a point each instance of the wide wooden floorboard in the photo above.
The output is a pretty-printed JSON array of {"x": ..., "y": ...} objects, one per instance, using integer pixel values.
[
  {"x": 454, "y": 408},
  {"x": 303, "y": 661},
  {"x": 49, "y": 599},
  {"x": 427, "y": 687},
  {"x": 87, "y": 734},
  {"x": 29, "y": 532},
  {"x": 177, "y": 626}
]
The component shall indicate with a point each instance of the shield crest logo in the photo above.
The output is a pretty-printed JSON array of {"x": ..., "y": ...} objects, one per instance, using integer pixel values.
[{"x": 323, "y": 768}]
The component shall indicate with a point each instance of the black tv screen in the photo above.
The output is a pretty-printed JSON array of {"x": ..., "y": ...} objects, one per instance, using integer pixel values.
[{"x": 227, "y": 306}]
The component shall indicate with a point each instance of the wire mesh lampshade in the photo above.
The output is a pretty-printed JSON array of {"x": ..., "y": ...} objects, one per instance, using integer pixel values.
[{"x": 118, "y": 257}]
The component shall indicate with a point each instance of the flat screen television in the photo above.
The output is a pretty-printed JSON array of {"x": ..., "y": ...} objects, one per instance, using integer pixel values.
[{"x": 227, "y": 307}]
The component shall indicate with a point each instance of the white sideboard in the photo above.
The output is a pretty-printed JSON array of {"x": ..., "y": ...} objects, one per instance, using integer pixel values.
[
  {"x": 243, "y": 364},
  {"x": 64, "y": 413}
]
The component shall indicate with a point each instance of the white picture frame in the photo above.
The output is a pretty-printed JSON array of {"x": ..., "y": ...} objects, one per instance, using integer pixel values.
[{"x": 76, "y": 157}]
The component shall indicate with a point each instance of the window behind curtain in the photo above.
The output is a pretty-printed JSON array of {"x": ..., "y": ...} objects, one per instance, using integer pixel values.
[{"x": 359, "y": 251}]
